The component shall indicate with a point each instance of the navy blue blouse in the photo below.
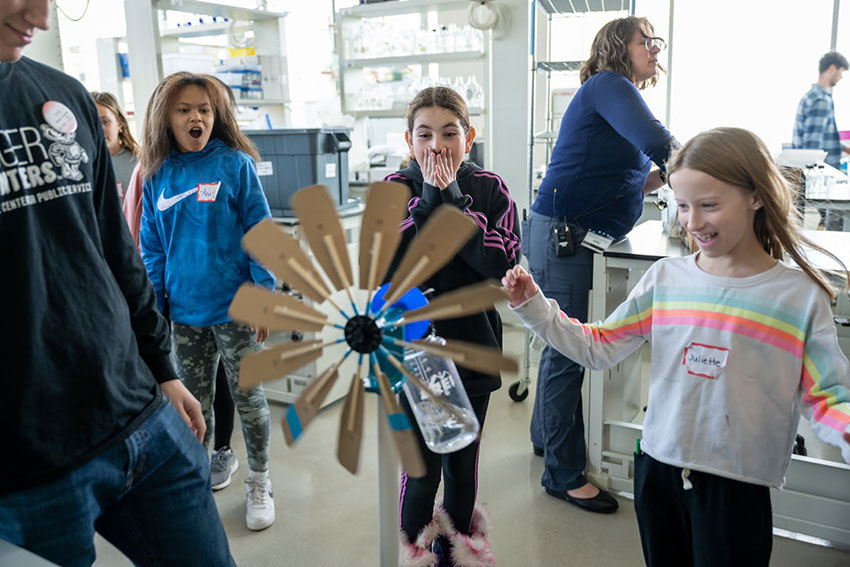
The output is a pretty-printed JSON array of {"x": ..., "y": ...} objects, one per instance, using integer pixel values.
[{"x": 602, "y": 157}]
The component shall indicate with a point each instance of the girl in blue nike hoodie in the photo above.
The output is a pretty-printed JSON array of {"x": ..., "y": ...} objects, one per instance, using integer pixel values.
[{"x": 201, "y": 194}]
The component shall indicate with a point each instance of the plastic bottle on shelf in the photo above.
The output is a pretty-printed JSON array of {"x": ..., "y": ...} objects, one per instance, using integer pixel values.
[
  {"x": 475, "y": 93},
  {"x": 444, "y": 430},
  {"x": 465, "y": 40},
  {"x": 433, "y": 42},
  {"x": 820, "y": 181},
  {"x": 809, "y": 172}
]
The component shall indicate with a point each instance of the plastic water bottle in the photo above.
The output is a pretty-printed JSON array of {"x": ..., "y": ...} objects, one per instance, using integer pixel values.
[{"x": 444, "y": 431}]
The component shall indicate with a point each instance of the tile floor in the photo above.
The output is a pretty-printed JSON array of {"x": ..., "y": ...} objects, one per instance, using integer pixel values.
[{"x": 328, "y": 518}]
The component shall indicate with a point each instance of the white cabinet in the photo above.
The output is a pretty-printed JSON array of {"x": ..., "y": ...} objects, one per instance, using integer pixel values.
[
  {"x": 389, "y": 51},
  {"x": 144, "y": 37}
]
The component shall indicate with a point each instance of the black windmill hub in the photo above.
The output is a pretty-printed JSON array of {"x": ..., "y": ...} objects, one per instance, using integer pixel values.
[{"x": 362, "y": 334}]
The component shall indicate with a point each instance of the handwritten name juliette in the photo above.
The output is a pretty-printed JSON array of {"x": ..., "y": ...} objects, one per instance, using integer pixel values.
[{"x": 705, "y": 360}]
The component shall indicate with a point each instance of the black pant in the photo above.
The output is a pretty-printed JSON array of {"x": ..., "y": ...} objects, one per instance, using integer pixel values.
[
  {"x": 461, "y": 480},
  {"x": 223, "y": 408},
  {"x": 719, "y": 521}
]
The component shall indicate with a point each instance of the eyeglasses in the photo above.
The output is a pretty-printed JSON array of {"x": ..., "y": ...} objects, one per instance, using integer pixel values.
[{"x": 652, "y": 42}]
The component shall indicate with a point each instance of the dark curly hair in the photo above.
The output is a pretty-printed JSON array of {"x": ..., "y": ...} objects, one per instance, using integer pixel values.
[{"x": 610, "y": 49}]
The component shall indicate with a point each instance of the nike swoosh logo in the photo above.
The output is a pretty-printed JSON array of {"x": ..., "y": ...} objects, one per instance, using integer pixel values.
[{"x": 164, "y": 204}]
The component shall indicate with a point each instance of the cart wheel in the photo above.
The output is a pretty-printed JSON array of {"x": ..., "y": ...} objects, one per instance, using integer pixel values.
[{"x": 515, "y": 394}]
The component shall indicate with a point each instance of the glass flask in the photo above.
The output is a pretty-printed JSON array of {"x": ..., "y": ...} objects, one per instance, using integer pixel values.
[{"x": 444, "y": 430}]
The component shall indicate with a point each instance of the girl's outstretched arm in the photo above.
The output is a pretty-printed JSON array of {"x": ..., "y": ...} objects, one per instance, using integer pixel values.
[
  {"x": 594, "y": 345},
  {"x": 520, "y": 285}
]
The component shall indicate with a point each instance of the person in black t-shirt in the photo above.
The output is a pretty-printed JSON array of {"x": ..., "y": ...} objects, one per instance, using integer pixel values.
[{"x": 102, "y": 436}]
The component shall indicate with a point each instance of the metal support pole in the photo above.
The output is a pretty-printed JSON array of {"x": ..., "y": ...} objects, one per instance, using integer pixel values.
[
  {"x": 833, "y": 41},
  {"x": 144, "y": 50},
  {"x": 388, "y": 473},
  {"x": 525, "y": 379},
  {"x": 669, "y": 64},
  {"x": 533, "y": 59}
]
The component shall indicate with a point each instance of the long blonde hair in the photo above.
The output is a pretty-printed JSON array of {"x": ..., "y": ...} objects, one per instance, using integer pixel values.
[
  {"x": 125, "y": 137},
  {"x": 157, "y": 139},
  {"x": 610, "y": 50},
  {"x": 739, "y": 157}
]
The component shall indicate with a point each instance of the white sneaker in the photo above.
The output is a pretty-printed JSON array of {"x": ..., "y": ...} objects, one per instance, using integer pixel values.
[
  {"x": 223, "y": 464},
  {"x": 259, "y": 513}
]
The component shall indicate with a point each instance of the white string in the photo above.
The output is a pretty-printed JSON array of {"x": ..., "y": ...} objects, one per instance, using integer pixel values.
[
  {"x": 686, "y": 481},
  {"x": 85, "y": 10}
]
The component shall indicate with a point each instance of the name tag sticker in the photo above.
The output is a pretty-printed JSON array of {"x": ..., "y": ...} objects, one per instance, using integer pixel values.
[
  {"x": 596, "y": 241},
  {"x": 705, "y": 361},
  {"x": 207, "y": 192},
  {"x": 265, "y": 168}
]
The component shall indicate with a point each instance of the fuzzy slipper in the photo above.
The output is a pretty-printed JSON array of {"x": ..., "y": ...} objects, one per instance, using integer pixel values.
[
  {"x": 472, "y": 550},
  {"x": 418, "y": 553}
]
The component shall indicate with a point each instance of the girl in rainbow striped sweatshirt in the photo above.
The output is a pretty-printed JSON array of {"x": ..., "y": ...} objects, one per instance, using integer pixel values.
[{"x": 742, "y": 343}]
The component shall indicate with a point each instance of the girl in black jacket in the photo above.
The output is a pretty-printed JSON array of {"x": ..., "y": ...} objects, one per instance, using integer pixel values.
[{"x": 439, "y": 135}]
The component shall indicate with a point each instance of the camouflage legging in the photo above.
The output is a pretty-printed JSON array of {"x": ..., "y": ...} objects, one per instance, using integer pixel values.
[{"x": 196, "y": 353}]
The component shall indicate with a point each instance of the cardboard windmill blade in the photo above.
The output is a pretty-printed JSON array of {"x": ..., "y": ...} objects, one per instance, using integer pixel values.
[{"x": 377, "y": 331}]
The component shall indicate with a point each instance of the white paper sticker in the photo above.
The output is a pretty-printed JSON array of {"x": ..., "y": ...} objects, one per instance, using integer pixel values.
[
  {"x": 705, "y": 361},
  {"x": 596, "y": 242},
  {"x": 265, "y": 168},
  {"x": 207, "y": 192},
  {"x": 330, "y": 170}
]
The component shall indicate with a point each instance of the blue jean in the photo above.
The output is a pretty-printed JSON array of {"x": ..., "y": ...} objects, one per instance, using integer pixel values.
[
  {"x": 149, "y": 496},
  {"x": 557, "y": 424}
]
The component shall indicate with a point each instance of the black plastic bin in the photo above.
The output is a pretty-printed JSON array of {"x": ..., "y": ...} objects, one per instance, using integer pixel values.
[{"x": 293, "y": 158}]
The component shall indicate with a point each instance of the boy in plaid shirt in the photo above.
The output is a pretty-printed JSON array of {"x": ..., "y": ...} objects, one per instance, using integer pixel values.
[{"x": 814, "y": 127}]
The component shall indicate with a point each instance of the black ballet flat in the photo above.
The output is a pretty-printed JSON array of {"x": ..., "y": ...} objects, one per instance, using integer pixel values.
[{"x": 602, "y": 503}]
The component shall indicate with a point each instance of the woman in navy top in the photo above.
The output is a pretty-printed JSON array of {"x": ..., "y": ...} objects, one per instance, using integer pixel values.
[{"x": 599, "y": 173}]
